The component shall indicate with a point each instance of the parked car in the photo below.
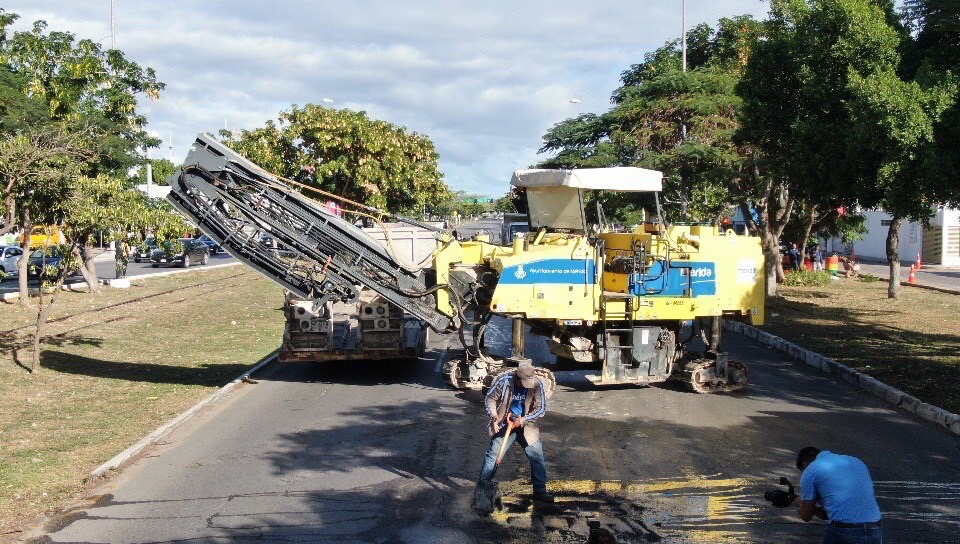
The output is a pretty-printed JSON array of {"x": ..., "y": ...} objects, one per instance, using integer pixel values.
[
  {"x": 185, "y": 251},
  {"x": 145, "y": 250},
  {"x": 44, "y": 263},
  {"x": 211, "y": 243},
  {"x": 9, "y": 257}
]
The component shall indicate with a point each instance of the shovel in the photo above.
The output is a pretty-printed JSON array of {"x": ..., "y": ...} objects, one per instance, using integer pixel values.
[
  {"x": 487, "y": 498},
  {"x": 503, "y": 445}
]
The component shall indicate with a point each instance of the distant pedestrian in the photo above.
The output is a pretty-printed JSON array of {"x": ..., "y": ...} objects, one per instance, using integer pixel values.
[
  {"x": 818, "y": 259},
  {"x": 122, "y": 256},
  {"x": 796, "y": 260},
  {"x": 839, "y": 489}
]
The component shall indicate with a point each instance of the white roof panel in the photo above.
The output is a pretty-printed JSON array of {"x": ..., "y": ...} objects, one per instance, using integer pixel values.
[{"x": 624, "y": 178}]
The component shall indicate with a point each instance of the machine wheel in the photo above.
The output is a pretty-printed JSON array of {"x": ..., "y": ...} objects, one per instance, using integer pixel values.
[
  {"x": 155, "y": 265},
  {"x": 451, "y": 373},
  {"x": 205, "y": 259},
  {"x": 186, "y": 261},
  {"x": 698, "y": 376}
]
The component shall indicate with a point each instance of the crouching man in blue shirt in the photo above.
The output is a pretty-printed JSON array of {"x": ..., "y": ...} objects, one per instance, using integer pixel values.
[{"x": 839, "y": 489}]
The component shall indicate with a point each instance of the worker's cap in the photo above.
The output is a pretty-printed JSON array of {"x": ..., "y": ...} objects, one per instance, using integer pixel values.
[{"x": 527, "y": 375}]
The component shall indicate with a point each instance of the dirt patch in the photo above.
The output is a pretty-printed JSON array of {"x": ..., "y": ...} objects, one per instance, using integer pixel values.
[{"x": 912, "y": 343}]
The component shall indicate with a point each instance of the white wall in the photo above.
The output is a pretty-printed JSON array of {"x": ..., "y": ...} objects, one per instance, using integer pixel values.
[{"x": 874, "y": 243}]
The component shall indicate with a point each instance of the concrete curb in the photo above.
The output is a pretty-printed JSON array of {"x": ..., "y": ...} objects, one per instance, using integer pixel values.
[
  {"x": 843, "y": 373},
  {"x": 127, "y": 454},
  {"x": 183, "y": 271},
  {"x": 929, "y": 287}
]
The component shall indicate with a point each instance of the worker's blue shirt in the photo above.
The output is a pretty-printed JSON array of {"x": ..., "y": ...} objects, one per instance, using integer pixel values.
[
  {"x": 519, "y": 400},
  {"x": 843, "y": 486}
]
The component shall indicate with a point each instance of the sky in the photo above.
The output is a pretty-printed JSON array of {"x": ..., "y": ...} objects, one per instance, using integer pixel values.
[{"x": 484, "y": 80}]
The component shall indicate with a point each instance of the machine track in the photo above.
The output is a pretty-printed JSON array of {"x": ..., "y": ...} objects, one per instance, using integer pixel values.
[
  {"x": 699, "y": 376},
  {"x": 479, "y": 374}
]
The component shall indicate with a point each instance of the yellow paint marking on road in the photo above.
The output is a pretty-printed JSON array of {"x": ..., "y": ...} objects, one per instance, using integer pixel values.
[{"x": 694, "y": 482}]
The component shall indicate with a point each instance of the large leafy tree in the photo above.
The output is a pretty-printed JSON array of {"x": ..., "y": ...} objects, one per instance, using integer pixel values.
[
  {"x": 799, "y": 103},
  {"x": 70, "y": 103},
  {"x": 346, "y": 153}
]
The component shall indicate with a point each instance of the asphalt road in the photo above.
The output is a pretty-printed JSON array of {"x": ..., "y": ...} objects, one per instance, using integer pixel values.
[
  {"x": 936, "y": 276},
  {"x": 106, "y": 269},
  {"x": 386, "y": 453}
]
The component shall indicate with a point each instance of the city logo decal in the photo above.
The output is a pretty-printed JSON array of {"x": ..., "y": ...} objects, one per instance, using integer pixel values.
[{"x": 520, "y": 273}]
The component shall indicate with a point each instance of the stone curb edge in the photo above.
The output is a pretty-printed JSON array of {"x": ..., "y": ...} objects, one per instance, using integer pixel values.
[
  {"x": 163, "y": 430},
  {"x": 843, "y": 373},
  {"x": 82, "y": 285}
]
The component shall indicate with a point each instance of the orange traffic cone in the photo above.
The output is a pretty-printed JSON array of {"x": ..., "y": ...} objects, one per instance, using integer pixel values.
[
  {"x": 913, "y": 275},
  {"x": 919, "y": 262}
]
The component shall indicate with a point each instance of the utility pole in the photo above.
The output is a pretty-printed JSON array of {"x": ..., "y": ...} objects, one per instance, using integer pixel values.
[
  {"x": 683, "y": 125},
  {"x": 113, "y": 29},
  {"x": 683, "y": 23}
]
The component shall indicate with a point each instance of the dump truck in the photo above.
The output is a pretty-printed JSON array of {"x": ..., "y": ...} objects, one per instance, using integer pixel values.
[
  {"x": 370, "y": 328},
  {"x": 629, "y": 305}
]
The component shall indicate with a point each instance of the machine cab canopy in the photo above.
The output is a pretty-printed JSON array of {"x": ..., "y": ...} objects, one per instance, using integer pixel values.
[{"x": 555, "y": 197}]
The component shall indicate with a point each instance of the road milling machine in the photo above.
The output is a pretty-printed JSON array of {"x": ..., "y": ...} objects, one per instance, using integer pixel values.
[{"x": 639, "y": 307}]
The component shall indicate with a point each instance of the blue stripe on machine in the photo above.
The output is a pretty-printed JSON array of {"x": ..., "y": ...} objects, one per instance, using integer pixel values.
[
  {"x": 571, "y": 271},
  {"x": 699, "y": 277}
]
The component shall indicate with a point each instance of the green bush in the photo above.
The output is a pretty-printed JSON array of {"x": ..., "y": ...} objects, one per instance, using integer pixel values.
[
  {"x": 806, "y": 278},
  {"x": 869, "y": 278}
]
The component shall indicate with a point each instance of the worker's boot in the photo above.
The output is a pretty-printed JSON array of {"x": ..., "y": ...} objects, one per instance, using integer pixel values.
[{"x": 543, "y": 496}]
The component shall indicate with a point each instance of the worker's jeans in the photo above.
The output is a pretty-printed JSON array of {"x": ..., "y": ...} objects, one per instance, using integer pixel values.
[
  {"x": 855, "y": 535},
  {"x": 538, "y": 465}
]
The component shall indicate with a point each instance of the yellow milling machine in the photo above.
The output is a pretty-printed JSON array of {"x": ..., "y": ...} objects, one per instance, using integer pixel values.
[{"x": 629, "y": 303}]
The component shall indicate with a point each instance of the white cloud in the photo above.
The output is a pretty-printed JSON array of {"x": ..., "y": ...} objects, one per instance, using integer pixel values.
[{"x": 483, "y": 80}]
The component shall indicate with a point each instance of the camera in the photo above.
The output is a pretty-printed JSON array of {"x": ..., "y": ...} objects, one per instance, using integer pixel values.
[{"x": 781, "y": 498}]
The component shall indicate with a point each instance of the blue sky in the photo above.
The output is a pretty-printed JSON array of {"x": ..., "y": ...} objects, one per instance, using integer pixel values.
[{"x": 484, "y": 80}]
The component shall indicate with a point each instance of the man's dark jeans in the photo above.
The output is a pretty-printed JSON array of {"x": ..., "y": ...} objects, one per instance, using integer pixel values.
[
  {"x": 538, "y": 465},
  {"x": 854, "y": 535}
]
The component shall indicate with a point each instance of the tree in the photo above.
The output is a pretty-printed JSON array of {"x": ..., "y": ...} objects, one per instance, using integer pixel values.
[
  {"x": 83, "y": 85},
  {"x": 84, "y": 90},
  {"x": 896, "y": 120},
  {"x": 346, "y": 153},
  {"x": 37, "y": 169},
  {"x": 797, "y": 105},
  {"x": 505, "y": 204},
  {"x": 104, "y": 204}
]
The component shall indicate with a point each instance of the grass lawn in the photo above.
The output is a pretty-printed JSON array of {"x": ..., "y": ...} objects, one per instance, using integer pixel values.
[
  {"x": 912, "y": 343},
  {"x": 115, "y": 366}
]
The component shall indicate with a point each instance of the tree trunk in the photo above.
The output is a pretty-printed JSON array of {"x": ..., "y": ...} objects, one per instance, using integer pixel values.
[
  {"x": 811, "y": 216},
  {"x": 893, "y": 256},
  {"x": 88, "y": 268},
  {"x": 771, "y": 254},
  {"x": 11, "y": 220},
  {"x": 27, "y": 225},
  {"x": 43, "y": 312}
]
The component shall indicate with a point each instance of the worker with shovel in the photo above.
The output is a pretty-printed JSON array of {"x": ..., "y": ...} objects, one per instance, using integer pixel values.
[{"x": 515, "y": 402}]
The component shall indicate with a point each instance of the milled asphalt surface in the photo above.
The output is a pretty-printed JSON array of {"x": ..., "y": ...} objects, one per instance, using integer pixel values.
[{"x": 386, "y": 453}]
